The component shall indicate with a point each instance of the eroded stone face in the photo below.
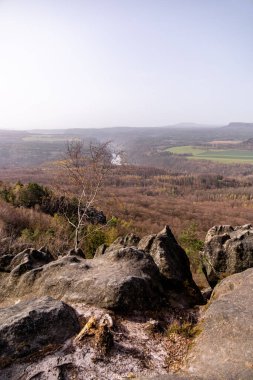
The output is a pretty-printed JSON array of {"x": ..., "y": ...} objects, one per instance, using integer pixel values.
[
  {"x": 227, "y": 250},
  {"x": 124, "y": 279},
  {"x": 224, "y": 349},
  {"x": 31, "y": 325},
  {"x": 121, "y": 277},
  {"x": 173, "y": 264}
]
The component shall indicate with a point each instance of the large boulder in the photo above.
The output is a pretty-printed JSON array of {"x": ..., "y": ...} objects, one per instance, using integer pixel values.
[
  {"x": 173, "y": 263},
  {"x": 29, "y": 326},
  {"x": 227, "y": 250},
  {"x": 224, "y": 349},
  {"x": 124, "y": 279}
]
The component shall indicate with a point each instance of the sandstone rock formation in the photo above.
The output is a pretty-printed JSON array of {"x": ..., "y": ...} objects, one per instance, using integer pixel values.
[
  {"x": 173, "y": 263},
  {"x": 173, "y": 376},
  {"x": 130, "y": 240},
  {"x": 171, "y": 260},
  {"x": 224, "y": 349},
  {"x": 227, "y": 250},
  {"x": 129, "y": 275},
  {"x": 100, "y": 250},
  {"x": 28, "y": 260},
  {"x": 76, "y": 252},
  {"x": 125, "y": 279},
  {"x": 29, "y": 326}
]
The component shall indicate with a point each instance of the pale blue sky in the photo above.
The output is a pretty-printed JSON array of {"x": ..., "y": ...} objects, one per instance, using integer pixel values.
[{"x": 98, "y": 63}]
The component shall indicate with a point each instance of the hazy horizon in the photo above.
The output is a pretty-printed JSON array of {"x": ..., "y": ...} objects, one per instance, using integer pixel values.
[
  {"x": 179, "y": 125},
  {"x": 96, "y": 64}
]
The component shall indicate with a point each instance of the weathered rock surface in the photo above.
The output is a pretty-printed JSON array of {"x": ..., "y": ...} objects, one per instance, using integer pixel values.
[
  {"x": 100, "y": 250},
  {"x": 26, "y": 260},
  {"x": 125, "y": 279},
  {"x": 29, "y": 259},
  {"x": 227, "y": 250},
  {"x": 119, "y": 277},
  {"x": 135, "y": 351},
  {"x": 146, "y": 242},
  {"x": 172, "y": 262},
  {"x": 130, "y": 240},
  {"x": 76, "y": 252},
  {"x": 173, "y": 376},
  {"x": 224, "y": 349},
  {"x": 29, "y": 326}
]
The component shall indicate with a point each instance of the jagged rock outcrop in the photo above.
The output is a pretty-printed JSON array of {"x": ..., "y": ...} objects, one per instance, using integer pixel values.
[
  {"x": 227, "y": 250},
  {"x": 100, "y": 250},
  {"x": 173, "y": 263},
  {"x": 76, "y": 252},
  {"x": 125, "y": 279},
  {"x": 120, "y": 277},
  {"x": 130, "y": 240},
  {"x": 31, "y": 325},
  {"x": 171, "y": 260},
  {"x": 146, "y": 242},
  {"x": 26, "y": 260},
  {"x": 224, "y": 349},
  {"x": 29, "y": 259}
]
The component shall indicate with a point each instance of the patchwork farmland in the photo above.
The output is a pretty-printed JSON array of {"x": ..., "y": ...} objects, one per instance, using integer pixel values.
[{"x": 219, "y": 155}]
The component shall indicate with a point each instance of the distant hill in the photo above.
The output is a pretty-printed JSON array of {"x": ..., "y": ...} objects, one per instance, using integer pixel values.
[
  {"x": 195, "y": 125},
  {"x": 235, "y": 130},
  {"x": 238, "y": 124}
]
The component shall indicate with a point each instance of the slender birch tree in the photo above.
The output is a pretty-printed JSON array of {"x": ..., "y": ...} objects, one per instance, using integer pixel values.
[{"x": 87, "y": 169}]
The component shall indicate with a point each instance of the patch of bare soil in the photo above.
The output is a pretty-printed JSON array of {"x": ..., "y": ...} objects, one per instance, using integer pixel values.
[{"x": 131, "y": 346}]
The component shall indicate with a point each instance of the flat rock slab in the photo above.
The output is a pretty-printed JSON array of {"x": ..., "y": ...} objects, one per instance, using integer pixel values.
[
  {"x": 29, "y": 326},
  {"x": 224, "y": 349}
]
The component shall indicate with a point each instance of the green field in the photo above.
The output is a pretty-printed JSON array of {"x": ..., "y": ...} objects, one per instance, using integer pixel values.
[{"x": 224, "y": 156}]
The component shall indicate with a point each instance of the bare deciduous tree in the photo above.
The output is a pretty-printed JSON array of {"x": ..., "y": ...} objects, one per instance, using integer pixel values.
[{"x": 87, "y": 169}]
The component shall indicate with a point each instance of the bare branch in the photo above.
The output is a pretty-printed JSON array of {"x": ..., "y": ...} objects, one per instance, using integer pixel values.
[{"x": 86, "y": 168}]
